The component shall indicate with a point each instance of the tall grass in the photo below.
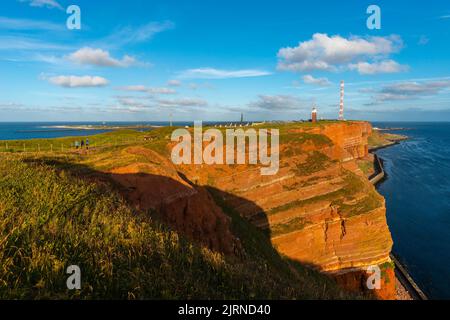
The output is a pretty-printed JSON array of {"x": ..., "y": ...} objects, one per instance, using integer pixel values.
[{"x": 50, "y": 219}]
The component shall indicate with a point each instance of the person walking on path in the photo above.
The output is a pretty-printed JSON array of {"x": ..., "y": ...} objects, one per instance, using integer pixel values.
[
  {"x": 82, "y": 144},
  {"x": 87, "y": 144}
]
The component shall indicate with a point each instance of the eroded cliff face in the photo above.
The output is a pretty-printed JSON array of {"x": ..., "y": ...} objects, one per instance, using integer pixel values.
[
  {"x": 153, "y": 185},
  {"x": 319, "y": 209}
]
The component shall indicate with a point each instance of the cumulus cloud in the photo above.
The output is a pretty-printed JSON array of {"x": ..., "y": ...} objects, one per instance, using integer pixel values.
[
  {"x": 101, "y": 58},
  {"x": 44, "y": 3},
  {"x": 410, "y": 90},
  {"x": 211, "y": 73},
  {"x": 309, "y": 79},
  {"x": 327, "y": 53},
  {"x": 150, "y": 90},
  {"x": 78, "y": 82},
  {"x": 279, "y": 103},
  {"x": 417, "y": 88},
  {"x": 387, "y": 66}
]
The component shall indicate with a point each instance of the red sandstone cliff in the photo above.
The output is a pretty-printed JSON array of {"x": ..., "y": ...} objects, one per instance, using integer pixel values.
[{"x": 319, "y": 209}]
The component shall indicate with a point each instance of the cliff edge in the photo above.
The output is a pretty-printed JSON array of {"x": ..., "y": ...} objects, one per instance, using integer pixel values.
[
  {"x": 196, "y": 231},
  {"x": 319, "y": 209}
]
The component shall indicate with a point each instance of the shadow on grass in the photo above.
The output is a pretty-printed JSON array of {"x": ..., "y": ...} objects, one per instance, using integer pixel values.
[{"x": 207, "y": 216}]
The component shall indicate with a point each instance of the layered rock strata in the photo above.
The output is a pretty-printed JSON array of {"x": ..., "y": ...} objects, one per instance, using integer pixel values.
[{"x": 319, "y": 209}]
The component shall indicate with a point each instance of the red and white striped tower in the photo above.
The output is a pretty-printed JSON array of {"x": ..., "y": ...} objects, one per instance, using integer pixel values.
[{"x": 341, "y": 105}]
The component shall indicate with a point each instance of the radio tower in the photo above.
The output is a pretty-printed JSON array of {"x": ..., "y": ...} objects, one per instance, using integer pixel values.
[{"x": 341, "y": 105}]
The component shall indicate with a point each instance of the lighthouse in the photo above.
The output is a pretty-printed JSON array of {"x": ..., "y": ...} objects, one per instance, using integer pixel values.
[{"x": 314, "y": 115}]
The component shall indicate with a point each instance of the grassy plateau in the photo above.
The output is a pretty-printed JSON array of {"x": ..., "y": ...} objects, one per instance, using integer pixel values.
[{"x": 51, "y": 218}]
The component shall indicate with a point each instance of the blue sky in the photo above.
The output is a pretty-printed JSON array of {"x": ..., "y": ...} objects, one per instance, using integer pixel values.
[{"x": 211, "y": 60}]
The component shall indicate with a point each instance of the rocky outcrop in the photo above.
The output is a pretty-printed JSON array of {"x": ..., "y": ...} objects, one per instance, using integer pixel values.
[
  {"x": 319, "y": 209},
  {"x": 154, "y": 186}
]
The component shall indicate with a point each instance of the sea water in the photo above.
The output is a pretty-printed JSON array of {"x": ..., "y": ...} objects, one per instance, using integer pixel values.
[{"x": 417, "y": 193}]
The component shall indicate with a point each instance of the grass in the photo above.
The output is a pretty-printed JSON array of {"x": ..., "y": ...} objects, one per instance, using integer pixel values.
[
  {"x": 294, "y": 142},
  {"x": 315, "y": 162},
  {"x": 300, "y": 138},
  {"x": 295, "y": 224},
  {"x": 352, "y": 186},
  {"x": 104, "y": 141},
  {"x": 380, "y": 139},
  {"x": 286, "y": 126},
  {"x": 50, "y": 219},
  {"x": 366, "y": 166},
  {"x": 384, "y": 270}
]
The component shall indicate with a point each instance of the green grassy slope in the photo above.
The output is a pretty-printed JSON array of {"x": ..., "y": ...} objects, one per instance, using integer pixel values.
[
  {"x": 380, "y": 139},
  {"x": 50, "y": 219}
]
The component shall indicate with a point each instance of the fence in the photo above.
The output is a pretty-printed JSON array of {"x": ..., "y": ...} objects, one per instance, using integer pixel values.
[{"x": 63, "y": 146}]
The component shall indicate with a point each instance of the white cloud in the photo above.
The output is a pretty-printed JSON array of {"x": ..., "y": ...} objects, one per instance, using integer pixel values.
[
  {"x": 25, "y": 43},
  {"x": 132, "y": 35},
  {"x": 44, "y": 3},
  {"x": 197, "y": 86},
  {"x": 211, "y": 73},
  {"x": 174, "y": 83},
  {"x": 309, "y": 79},
  {"x": 150, "y": 90},
  {"x": 51, "y": 59},
  {"x": 183, "y": 102},
  {"x": 410, "y": 90},
  {"x": 414, "y": 88},
  {"x": 138, "y": 104},
  {"x": 279, "y": 103},
  {"x": 10, "y": 105},
  {"x": 161, "y": 91},
  {"x": 78, "y": 82},
  {"x": 26, "y": 24},
  {"x": 146, "y": 32},
  {"x": 101, "y": 58},
  {"x": 386, "y": 66},
  {"x": 133, "y": 104},
  {"x": 327, "y": 53}
]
